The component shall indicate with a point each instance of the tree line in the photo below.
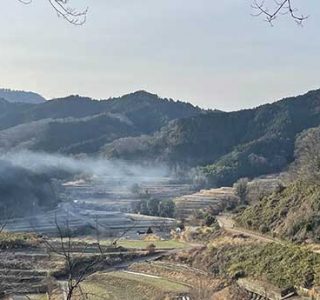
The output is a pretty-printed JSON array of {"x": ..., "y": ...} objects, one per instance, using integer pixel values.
[{"x": 155, "y": 207}]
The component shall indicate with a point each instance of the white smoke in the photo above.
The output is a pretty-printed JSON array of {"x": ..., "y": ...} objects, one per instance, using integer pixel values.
[{"x": 96, "y": 168}]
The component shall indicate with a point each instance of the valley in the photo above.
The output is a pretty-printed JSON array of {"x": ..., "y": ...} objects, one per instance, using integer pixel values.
[
  {"x": 128, "y": 267},
  {"x": 106, "y": 206},
  {"x": 159, "y": 150},
  {"x": 97, "y": 205}
]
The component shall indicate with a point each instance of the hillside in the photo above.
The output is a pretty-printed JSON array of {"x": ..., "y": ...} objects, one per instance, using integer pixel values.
[
  {"x": 82, "y": 125},
  {"x": 142, "y": 126},
  {"x": 21, "y": 96},
  {"x": 71, "y": 125},
  {"x": 292, "y": 211},
  {"x": 133, "y": 106},
  {"x": 282, "y": 265},
  {"x": 24, "y": 192},
  {"x": 231, "y": 145}
]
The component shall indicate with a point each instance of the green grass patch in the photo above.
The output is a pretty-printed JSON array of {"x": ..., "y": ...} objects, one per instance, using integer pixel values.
[
  {"x": 281, "y": 265},
  {"x": 140, "y": 244},
  {"x": 159, "y": 283},
  {"x": 122, "y": 285},
  {"x": 98, "y": 290}
]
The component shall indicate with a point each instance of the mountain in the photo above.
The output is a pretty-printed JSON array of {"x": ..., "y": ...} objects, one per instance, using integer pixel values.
[
  {"x": 143, "y": 127},
  {"x": 228, "y": 146},
  {"x": 82, "y": 125},
  {"x": 21, "y": 96}
]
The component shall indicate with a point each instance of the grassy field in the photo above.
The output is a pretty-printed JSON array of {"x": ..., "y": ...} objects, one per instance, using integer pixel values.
[
  {"x": 181, "y": 273},
  {"x": 140, "y": 244},
  {"x": 157, "y": 282},
  {"x": 122, "y": 285},
  {"x": 137, "y": 244}
]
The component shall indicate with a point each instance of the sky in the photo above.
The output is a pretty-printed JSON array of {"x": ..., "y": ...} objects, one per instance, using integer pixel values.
[{"x": 213, "y": 54}]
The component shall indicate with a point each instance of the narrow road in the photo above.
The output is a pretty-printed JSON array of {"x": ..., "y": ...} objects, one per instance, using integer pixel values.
[
  {"x": 227, "y": 223},
  {"x": 142, "y": 274}
]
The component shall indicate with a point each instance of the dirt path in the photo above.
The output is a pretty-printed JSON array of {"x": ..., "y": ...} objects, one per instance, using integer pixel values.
[
  {"x": 142, "y": 274},
  {"x": 226, "y": 222}
]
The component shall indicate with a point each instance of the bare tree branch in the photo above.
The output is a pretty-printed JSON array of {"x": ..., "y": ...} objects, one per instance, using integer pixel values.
[
  {"x": 5, "y": 219},
  {"x": 78, "y": 266},
  {"x": 3, "y": 225},
  {"x": 270, "y": 12},
  {"x": 280, "y": 7},
  {"x": 62, "y": 8}
]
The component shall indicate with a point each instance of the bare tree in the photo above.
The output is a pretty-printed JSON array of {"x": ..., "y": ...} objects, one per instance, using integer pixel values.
[
  {"x": 62, "y": 8},
  {"x": 279, "y": 8},
  {"x": 78, "y": 266},
  {"x": 3, "y": 224},
  {"x": 241, "y": 189},
  {"x": 4, "y": 218}
]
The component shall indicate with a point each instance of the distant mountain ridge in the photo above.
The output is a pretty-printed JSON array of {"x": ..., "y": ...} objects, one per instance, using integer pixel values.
[
  {"x": 21, "y": 96},
  {"x": 144, "y": 127},
  {"x": 82, "y": 125},
  {"x": 228, "y": 146}
]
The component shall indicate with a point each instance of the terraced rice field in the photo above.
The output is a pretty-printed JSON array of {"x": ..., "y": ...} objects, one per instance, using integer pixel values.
[
  {"x": 109, "y": 223},
  {"x": 103, "y": 206},
  {"x": 129, "y": 285},
  {"x": 182, "y": 273},
  {"x": 118, "y": 194},
  {"x": 23, "y": 272},
  {"x": 218, "y": 199}
]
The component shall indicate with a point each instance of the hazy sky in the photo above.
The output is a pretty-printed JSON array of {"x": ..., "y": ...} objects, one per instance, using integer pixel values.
[{"x": 211, "y": 53}]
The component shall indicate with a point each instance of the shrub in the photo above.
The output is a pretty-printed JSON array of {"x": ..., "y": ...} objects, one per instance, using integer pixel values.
[
  {"x": 264, "y": 229},
  {"x": 241, "y": 189},
  {"x": 151, "y": 248},
  {"x": 209, "y": 220}
]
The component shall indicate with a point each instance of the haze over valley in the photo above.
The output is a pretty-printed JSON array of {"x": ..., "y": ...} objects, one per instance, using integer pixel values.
[
  {"x": 140, "y": 171},
  {"x": 159, "y": 150}
]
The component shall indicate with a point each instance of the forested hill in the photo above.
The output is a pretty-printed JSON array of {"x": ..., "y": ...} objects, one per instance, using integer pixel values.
[
  {"x": 82, "y": 125},
  {"x": 21, "y": 96},
  {"x": 23, "y": 191},
  {"x": 231, "y": 145},
  {"x": 142, "y": 126},
  {"x": 292, "y": 210}
]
